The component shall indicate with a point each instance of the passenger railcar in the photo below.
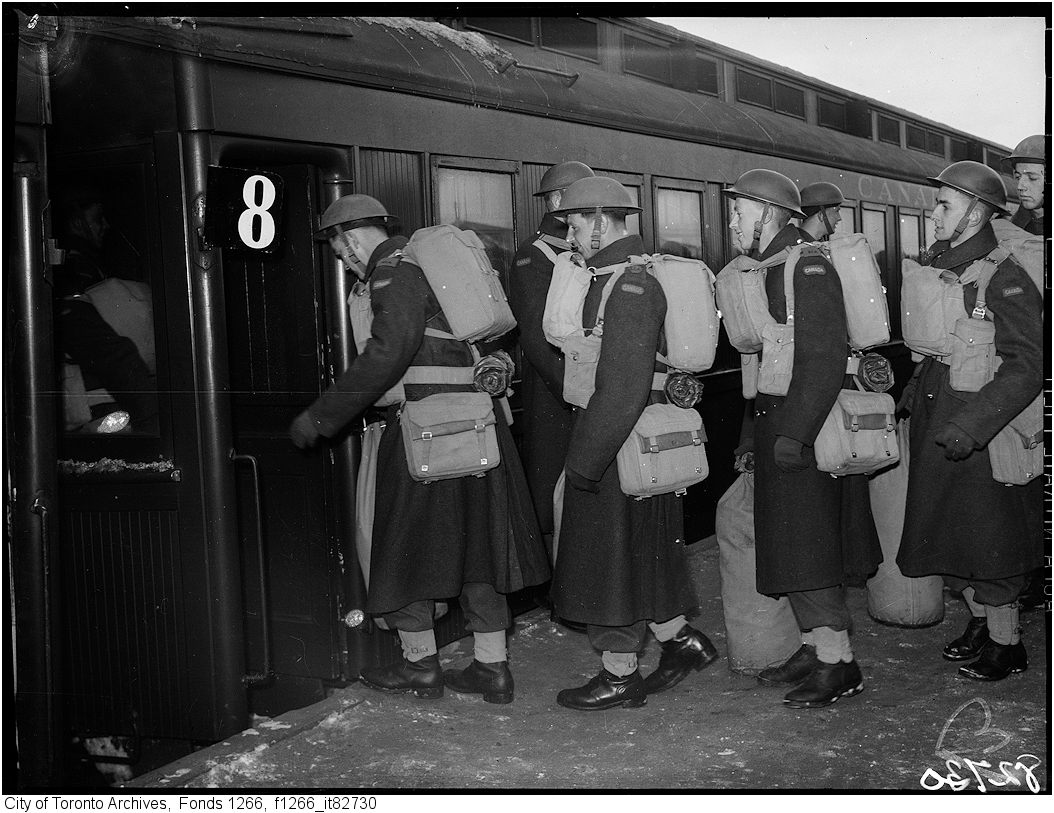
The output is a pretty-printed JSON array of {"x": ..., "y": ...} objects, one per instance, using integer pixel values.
[{"x": 168, "y": 585}]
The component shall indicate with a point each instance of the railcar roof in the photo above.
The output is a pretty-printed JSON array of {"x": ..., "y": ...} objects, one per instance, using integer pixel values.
[{"x": 418, "y": 56}]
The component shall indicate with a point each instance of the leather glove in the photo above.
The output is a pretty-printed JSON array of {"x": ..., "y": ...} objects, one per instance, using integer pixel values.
[
  {"x": 303, "y": 432},
  {"x": 903, "y": 409},
  {"x": 790, "y": 454},
  {"x": 581, "y": 482},
  {"x": 957, "y": 443}
]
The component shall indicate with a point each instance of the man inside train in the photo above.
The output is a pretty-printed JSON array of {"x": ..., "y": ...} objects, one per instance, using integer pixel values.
[
  {"x": 472, "y": 537},
  {"x": 104, "y": 328},
  {"x": 814, "y": 533},
  {"x": 821, "y": 202}
]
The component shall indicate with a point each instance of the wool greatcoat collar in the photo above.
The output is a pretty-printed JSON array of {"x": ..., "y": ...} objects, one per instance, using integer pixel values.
[
  {"x": 617, "y": 252},
  {"x": 385, "y": 249},
  {"x": 944, "y": 255}
]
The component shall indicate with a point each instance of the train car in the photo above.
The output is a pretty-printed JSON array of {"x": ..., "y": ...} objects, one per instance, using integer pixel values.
[{"x": 170, "y": 582}]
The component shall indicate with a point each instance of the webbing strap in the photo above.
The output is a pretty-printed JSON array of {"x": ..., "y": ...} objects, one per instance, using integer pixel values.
[
  {"x": 617, "y": 270},
  {"x": 424, "y": 374},
  {"x": 670, "y": 440},
  {"x": 440, "y": 334},
  {"x": 544, "y": 247},
  {"x": 984, "y": 269},
  {"x": 855, "y": 423},
  {"x": 658, "y": 381}
]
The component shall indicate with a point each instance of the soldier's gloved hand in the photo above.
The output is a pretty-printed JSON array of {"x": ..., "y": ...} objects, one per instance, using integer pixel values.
[
  {"x": 790, "y": 454},
  {"x": 582, "y": 483},
  {"x": 957, "y": 443},
  {"x": 303, "y": 432}
]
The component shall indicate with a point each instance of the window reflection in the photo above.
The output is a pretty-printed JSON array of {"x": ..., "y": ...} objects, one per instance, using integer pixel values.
[
  {"x": 482, "y": 202},
  {"x": 909, "y": 236},
  {"x": 679, "y": 223}
]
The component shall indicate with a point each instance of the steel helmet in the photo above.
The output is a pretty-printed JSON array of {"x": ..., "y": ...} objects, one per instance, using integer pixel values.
[
  {"x": 351, "y": 211},
  {"x": 974, "y": 179},
  {"x": 820, "y": 194},
  {"x": 597, "y": 193},
  {"x": 1032, "y": 150},
  {"x": 767, "y": 186},
  {"x": 562, "y": 176}
]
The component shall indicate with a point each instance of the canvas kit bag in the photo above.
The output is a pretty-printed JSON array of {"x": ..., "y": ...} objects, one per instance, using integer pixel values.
[
  {"x": 858, "y": 435},
  {"x": 665, "y": 452},
  {"x": 449, "y": 435}
]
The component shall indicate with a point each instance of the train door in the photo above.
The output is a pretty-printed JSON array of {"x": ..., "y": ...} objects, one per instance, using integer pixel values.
[{"x": 292, "y": 542}]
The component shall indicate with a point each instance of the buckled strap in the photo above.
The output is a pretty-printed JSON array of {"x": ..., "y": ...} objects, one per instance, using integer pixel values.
[
  {"x": 478, "y": 425},
  {"x": 543, "y": 246},
  {"x": 855, "y": 423},
  {"x": 671, "y": 440}
]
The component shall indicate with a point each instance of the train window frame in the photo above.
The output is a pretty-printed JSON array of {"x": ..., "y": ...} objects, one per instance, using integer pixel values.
[
  {"x": 533, "y": 24},
  {"x": 994, "y": 159},
  {"x": 541, "y": 44},
  {"x": 821, "y": 100},
  {"x": 913, "y": 129},
  {"x": 931, "y": 135},
  {"x": 888, "y": 120},
  {"x": 664, "y": 45},
  {"x": 776, "y": 85},
  {"x": 850, "y": 208},
  {"x": 699, "y": 188},
  {"x": 718, "y": 75},
  {"x": 740, "y": 71},
  {"x": 139, "y": 447},
  {"x": 957, "y": 152},
  {"x": 907, "y": 211}
]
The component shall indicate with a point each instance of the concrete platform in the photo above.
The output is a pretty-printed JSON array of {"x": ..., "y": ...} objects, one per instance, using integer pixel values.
[{"x": 716, "y": 731}]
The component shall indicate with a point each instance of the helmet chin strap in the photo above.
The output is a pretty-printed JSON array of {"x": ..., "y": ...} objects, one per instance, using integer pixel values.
[
  {"x": 755, "y": 244},
  {"x": 964, "y": 221},
  {"x": 826, "y": 222},
  {"x": 594, "y": 241}
]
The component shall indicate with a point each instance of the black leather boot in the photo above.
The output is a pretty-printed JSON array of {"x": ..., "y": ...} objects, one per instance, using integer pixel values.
[
  {"x": 424, "y": 677},
  {"x": 606, "y": 691},
  {"x": 689, "y": 649},
  {"x": 968, "y": 645},
  {"x": 492, "y": 680},
  {"x": 793, "y": 670},
  {"x": 825, "y": 684},
  {"x": 997, "y": 661}
]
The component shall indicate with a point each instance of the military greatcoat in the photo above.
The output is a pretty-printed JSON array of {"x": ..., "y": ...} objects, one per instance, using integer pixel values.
[
  {"x": 546, "y": 417},
  {"x": 429, "y": 539},
  {"x": 812, "y": 530},
  {"x": 620, "y": 560},
  {"x": 959, "y": 521}
]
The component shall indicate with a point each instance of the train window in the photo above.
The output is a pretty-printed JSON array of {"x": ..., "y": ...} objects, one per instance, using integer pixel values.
[
  {"x": 706, "y": 76},
  {"x": 679, "y": 222},
  {"x": 916, "y": 137},
  {"x": 104, "y": 328},
  {"x": 790, "y": 100},
  {"x": 910, "y": 236},
  {"x": 888, "y": 130},
  {"x": 480, "y": 201},
  {"x": 515, "y": 28},
  {"x": 994, "y": 159},
  {"x": 569, "y": 35},
  {"x": 753, "y": 89},
  {"x": 960, "y": 150},
  {"x": 931, "y": 235},
  {"x": 874, "y": 229},
  {"x": 935, "y": 143},
  {"x": 646, "y": 58},
  {"x": 831, "y": 113}
]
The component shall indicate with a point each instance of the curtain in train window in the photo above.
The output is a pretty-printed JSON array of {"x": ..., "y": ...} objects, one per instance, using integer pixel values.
[
  {"x": 482, "y": 202},
  {"x": 678, "y": 223},
  {"x": 104, "y": 324},
  {"x": 931, "y": 235},
  {"x": 633, "y": 221},
  {"x": 909, "y": 236},
  {"x": 875, "y": 232}
]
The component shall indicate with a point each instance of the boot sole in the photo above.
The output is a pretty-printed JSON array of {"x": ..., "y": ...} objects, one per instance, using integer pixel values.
[
  {"x": 632, "y": 703},
  {"x": 819, "y": 704},
  {"x": 427, "y": 694},
  {"x": 950, "y": 657}
]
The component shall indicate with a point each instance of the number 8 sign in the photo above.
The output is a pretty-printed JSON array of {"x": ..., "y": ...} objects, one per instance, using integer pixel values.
[{"x": 243, "y": 209}]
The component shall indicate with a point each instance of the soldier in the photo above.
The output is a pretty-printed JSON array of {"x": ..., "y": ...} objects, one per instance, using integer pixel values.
[
  {"x": 546, "y": 417},
  {"x": 621, "y": 561},
  {"x": 1029, "y": 164},
  {"x": 822, "y": 204},
  {"x": 814, "y": 533},
  {"x": 984, "y": 537},
  {"x": 472, "y": 536}
]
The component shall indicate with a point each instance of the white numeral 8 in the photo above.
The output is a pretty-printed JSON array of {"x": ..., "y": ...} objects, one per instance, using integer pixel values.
[{"x": 247, "y": 219}]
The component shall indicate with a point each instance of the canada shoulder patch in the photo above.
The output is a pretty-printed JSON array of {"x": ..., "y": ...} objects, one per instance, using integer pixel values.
[
  {"x": 812, "y": 270},
  {"x": 380, "y": 283},
  {"x": 523, "y": 261},
  {"x": 631, "y": 288},
  {"x": 1013, "y": 290}
]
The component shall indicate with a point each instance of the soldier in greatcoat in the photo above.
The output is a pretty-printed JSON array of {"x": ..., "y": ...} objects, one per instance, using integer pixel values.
[
  {"x": 814, "y": 533},
  {"x": 1028, "y": 162},
  {"x": 821, "y": 202},
  {"x": 546, "y": 416},
  {"x": 621, "y": 562},
  {"x": 983, "y": 536},
  {"x": 472, "y": 537}
]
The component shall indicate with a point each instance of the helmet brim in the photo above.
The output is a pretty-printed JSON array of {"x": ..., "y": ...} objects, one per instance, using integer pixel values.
[
  {"x": 732, "y": 193},
  {"x": 1001, "y": 207},
  {"x": 389, "y": 221}
]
